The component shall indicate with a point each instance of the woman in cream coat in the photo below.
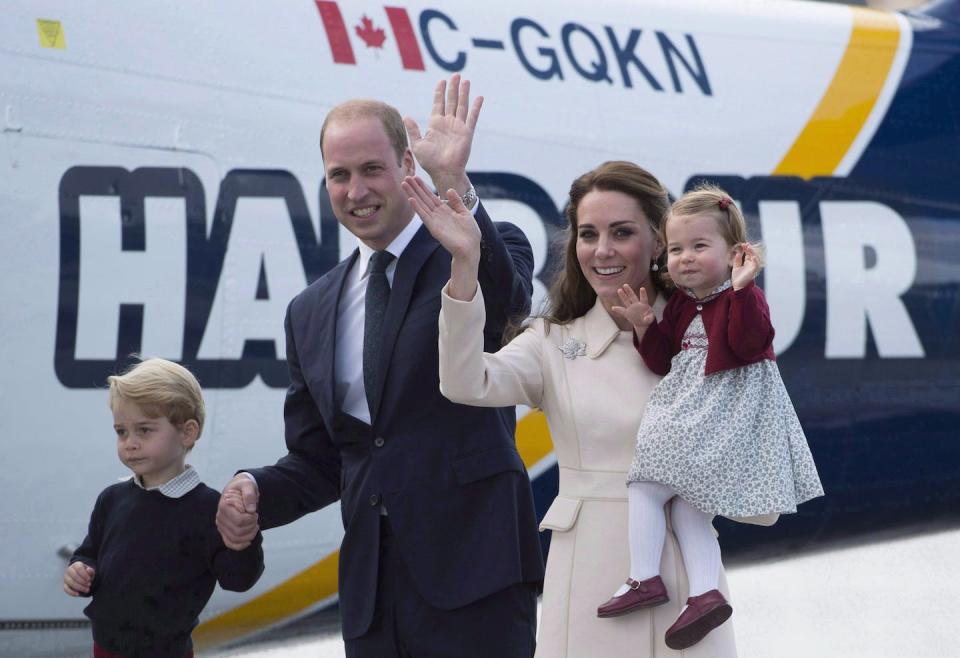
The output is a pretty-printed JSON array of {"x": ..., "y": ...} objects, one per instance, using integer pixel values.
[{"x": 578, "y": 364}]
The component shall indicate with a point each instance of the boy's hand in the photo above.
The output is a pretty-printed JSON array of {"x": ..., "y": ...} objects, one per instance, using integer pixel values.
[
  {"x": 233, "y": 498},
  {"x": 78, "y": 578},
  {"x": 237, "y": 518},
  {"x": 636, "y": 309}
]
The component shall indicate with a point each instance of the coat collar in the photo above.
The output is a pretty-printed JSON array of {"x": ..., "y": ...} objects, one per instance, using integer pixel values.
[
  {"x": 325, "y": 310},
  {"x": 601, "y": 330}
]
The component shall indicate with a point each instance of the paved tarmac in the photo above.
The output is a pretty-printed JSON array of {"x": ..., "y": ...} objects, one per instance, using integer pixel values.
[{"x": 893, "y": 597}]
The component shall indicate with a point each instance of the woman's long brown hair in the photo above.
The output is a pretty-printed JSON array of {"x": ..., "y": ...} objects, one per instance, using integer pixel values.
[{"x": 570, "y": 295}]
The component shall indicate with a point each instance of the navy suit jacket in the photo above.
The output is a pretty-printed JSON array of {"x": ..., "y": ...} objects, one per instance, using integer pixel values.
[{"x": 456, "y": 490}]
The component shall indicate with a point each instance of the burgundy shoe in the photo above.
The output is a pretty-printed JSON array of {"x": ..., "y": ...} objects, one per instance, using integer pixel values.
[
  {"x": 643, "y": 594},
  {"x": 703, "y": 614}
]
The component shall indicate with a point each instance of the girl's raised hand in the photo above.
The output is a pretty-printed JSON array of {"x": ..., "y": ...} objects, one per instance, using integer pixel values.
[
  {"x": 746, "y": 265},
  {"x": 636, "y": 309}
]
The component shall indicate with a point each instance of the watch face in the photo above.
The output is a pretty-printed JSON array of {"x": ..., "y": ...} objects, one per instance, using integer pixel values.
[{"x": 469, "y": 197}]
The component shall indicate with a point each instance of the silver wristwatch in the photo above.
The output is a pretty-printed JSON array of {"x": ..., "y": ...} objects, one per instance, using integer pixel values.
[{"x": 469, "y": 198}]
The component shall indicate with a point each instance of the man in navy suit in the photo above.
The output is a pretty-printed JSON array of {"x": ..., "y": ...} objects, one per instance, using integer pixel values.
[{"x": 440, "y": 555}]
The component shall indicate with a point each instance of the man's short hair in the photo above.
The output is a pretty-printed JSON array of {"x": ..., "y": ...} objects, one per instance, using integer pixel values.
[
  {"x": 160, "y": 388},
  {"x": 388, "y": 115}
]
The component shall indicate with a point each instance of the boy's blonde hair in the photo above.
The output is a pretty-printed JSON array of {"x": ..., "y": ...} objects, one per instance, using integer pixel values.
[{"x": 160, "y": 388}]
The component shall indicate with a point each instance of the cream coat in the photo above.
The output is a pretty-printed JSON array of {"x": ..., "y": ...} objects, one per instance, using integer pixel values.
[{"x": 593, "y": 404}]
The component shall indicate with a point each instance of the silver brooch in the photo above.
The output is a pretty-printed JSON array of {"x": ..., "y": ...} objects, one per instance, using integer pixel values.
[{"x": 573, "y": 348}]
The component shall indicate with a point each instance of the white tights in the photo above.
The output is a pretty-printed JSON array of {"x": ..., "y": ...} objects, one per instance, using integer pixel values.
[{"x": 647, "y": 530}]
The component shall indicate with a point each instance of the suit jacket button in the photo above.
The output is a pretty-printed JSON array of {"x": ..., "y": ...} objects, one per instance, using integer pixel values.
[
  {"x": 374, "y": 500},
  {"x": 699, "y": 307},
  {"x": 379, "y": 442}
]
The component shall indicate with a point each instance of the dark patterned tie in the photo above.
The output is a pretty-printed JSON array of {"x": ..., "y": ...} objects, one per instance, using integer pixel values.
[{"x": 375, "y": 307}]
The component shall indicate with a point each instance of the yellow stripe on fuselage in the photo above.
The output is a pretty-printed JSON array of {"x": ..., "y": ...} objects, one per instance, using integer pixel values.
[
  {"x": 817, "y": 151},
  {"x": 533, "y": 438},
  {"x": 319, "y": 582},
  {"x": 286, "y": 600},
  {"x": 847, "y": 103}
]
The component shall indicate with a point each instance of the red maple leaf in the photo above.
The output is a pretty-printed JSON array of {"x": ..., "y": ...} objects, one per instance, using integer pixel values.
[{"x": 372, "y": 36}]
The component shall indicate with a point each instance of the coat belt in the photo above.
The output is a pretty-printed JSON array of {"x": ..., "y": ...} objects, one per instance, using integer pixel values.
[{"x": 606, "y": 485}]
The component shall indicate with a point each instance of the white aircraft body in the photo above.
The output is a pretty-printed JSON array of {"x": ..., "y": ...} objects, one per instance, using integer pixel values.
[{"x": 161, "y": 192}]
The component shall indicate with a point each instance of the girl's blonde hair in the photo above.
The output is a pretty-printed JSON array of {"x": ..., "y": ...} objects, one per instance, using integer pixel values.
[
  {"x": 712, "y": 200},
  {"x": 160, "y": 388}
]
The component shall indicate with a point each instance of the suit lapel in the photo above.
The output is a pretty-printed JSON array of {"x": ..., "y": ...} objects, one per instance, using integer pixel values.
[
  {"x": 411, "y": 261},
  {"x": 327, "y": 310}
]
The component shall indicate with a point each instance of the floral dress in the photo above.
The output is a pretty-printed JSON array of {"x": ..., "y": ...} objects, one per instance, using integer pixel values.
[{"x": 729, "y": 443}]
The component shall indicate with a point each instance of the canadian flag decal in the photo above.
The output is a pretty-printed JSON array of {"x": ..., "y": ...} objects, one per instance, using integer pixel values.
[{"x": 371, "y": 34}]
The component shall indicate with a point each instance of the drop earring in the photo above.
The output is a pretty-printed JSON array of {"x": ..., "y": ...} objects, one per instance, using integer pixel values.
[{"x": 654, "y": 267}]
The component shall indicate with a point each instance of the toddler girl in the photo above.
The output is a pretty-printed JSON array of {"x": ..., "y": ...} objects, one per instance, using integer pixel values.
[{"x": 719, "y": 435}]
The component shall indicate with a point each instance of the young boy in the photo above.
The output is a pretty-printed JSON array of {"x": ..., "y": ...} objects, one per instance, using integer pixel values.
[{"x": 152, "y": 554}]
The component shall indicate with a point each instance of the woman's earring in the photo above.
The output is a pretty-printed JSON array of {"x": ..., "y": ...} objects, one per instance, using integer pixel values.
[{"x": 654, "y": 267}]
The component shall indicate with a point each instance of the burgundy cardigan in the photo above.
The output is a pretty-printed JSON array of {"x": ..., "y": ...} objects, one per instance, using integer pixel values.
[{"x": 737, "y": 324}]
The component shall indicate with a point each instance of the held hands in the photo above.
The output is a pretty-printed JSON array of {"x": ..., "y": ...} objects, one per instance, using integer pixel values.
[
  {"x": 78, "y": 578},
  {"x": 636, "y": 309},
  {"x": 746, "y": 265},
  {"x": 237, "y": 518},
  {"x": 445, "y": 148}
]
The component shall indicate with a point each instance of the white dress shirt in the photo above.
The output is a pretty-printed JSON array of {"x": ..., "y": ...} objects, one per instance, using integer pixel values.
[
  {"x": 176, "y": 487},
  {"x": 349, "y": 393}
]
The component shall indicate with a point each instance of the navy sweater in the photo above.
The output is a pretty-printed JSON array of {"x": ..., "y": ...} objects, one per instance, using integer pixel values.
[{"x": 157, "y": 560}]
